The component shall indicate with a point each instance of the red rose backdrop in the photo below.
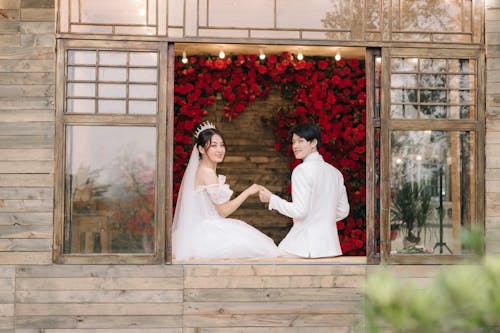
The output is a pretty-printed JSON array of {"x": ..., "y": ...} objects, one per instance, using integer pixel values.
[{"x": 324, "y": 91}]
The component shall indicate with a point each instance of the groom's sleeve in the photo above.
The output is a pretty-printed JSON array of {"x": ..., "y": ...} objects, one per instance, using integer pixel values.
[{"x": 301, "y": 193}]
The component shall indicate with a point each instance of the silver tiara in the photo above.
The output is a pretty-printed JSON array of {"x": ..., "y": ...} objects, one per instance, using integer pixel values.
[{"x": 203, "y": 126}]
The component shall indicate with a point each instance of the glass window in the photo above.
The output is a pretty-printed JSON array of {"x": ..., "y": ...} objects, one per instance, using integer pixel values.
[
  {"x": 430, "y": 190},
  {"x": 430, "y": 157},
  {"x": 110, "y": 183},
  {"x": 102, "y": 82},
  {"x": 110, "y": 203},
  {"x": 432, "y": 88}
]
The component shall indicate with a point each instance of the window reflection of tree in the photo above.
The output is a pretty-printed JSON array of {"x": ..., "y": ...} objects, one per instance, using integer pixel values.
[
  {"x": 440, "y": 88},
  {"x": 432, "y": 15}
]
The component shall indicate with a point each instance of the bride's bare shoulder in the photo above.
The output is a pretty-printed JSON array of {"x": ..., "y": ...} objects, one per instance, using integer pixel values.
[{"x": 205, "y": 176}]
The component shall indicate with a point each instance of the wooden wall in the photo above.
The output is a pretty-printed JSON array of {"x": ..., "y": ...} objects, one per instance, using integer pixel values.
[
  {"x": 26, "y": 130},
  {"x": 493, "y": 126}
]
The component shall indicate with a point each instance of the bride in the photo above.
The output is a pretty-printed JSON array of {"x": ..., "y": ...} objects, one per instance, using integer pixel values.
[{"x": 201, "y": 228}]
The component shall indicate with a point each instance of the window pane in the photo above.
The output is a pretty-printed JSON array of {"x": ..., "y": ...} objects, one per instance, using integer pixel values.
[
  {"x": 81, "y": 73},
  {"x": 79, "y": 57},
  {"x": 462, "y": 97},
  {"x": 433, "y": 65},
  {"x": 404, "y": 81},
  {"x": 433, "y": 111},
  {"x": 110, "y": 189},
  {"x": 405, "y": 111},
  {"x": 433, "y": 96},
  {"x": 143, "y": 75},
  {"x": 430, "y": 190},
  {"x": 143, "y": 58},
  {"x": 112, "y": 90},
  {"x": 433, "y": 80},
  {"x": 437, "y": 87},
  {"x": 112, "y": 74},
  {"x": 142, "y": 91},
  {"x": 142, "y": 107},
  {"x": 80, "y": 105},
  {"x": 461, "y": 81},
  {"x": 404, "y": 64},
  {"x": 462, "y": 65},
  {"x": 113, "y": 58},
  {"x": 112, "y": 106},
  {"x": 81, "y": 90},
  {"x": 404, "y": 95}
]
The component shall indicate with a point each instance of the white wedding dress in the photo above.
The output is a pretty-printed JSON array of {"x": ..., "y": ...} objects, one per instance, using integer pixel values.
[{"x": 199, "y": 232}]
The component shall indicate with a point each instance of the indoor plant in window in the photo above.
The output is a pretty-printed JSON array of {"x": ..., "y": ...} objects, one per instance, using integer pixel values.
[{"x": 409, "y": 210}]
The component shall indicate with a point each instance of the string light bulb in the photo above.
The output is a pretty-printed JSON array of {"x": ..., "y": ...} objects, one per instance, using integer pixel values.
[
  {"x": 300, "y": 56},
  {"x": 222, "y": 55},
  {"x": 262, "y": 55},
  {"x": 338, "y": 56},
  {"x": 184, "y": 58}
]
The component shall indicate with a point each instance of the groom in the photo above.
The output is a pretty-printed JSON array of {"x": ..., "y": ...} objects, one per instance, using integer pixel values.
[{"x": 319, "y": 200}]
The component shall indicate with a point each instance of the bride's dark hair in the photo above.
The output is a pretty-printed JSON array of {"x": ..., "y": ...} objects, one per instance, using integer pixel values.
[{"x": 204, "y": 138}]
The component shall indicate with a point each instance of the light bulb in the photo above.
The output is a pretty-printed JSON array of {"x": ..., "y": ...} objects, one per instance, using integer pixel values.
[
  {"x": 222, "y": 55},
  {"x": 338, "y": 56},
  {"x": 262, "y": 56},
  {"x": 300, "y": 56},
  {"x": 184, "y": 58}
]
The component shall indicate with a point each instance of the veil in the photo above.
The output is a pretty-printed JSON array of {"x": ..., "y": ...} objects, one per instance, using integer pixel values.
[{"x": 186, "y": 215}]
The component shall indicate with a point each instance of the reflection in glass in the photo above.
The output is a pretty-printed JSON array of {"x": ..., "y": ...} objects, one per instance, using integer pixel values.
[
  {"x": 432, "y": 15},
  {"x": 430, "y": 190},
  {"x": 404, "y": 81},
  {"x": 404, "y": 64},
  {"x": 440, "y": 88},
  {"x": 433, "y": 65},
  {"x": 110, "y": 189},
  {"x": 433, "y": 80},
  {"x": 464, "y": 81},
  {"x": 404, "y": 111},
  {"x": 433, "y": 111},
  {"x": 433, "y": 96},
  {"x": 462, "y": 66},
  {"x": 404, "y": 96}
]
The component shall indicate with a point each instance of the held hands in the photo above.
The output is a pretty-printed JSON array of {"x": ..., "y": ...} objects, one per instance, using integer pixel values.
[
  {"x": 264, "y": 194},
  {"x": 253, "y": 189}
]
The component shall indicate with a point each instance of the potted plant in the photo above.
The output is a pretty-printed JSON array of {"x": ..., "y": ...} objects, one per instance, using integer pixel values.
[{"x": 409, "y": 210}]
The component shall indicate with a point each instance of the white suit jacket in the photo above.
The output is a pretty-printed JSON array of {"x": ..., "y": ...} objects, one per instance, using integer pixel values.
[{"x": 319, "y": 200}]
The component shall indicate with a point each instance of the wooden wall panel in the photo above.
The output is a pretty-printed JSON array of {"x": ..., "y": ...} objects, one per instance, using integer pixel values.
[
  {"x": 27, "y": 90},
  {"x": 235, "y": 298}
]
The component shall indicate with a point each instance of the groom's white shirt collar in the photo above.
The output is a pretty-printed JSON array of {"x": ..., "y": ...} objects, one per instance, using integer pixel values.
[{"x": 314, "y": 156}]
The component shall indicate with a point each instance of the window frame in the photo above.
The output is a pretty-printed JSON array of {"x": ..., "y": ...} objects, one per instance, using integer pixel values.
[
  {"x": 475, "y": 125},
  {"x": 162, "y": 121}
]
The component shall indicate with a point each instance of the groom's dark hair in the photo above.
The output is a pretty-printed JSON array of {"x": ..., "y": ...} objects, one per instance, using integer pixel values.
[{"x": 308, "y": 132}]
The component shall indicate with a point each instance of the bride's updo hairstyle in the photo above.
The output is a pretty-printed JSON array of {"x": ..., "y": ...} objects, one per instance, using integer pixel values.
[{"x": 203, "y": 135}]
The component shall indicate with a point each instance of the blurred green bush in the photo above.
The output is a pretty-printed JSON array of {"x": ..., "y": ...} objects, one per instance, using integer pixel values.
[{"x": 462, "y": 298}]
